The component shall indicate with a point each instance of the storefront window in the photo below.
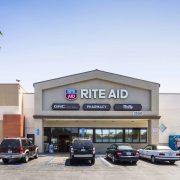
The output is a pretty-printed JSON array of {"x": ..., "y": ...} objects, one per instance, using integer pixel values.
[
  {"x": 67, "y": 130},
  {"x": 112, "y": 135},
  {"x": 88, "y": 133},
  {"x": 74, "y": 130},
  {"x": 105, "y": 133},
  {"x": 143, "y": 135},
  {"x": 119, "y": 135},
  {"x": 128, "y": 135},
  {"x": 98, "y": 135},
  {"x": 136, "y": 135}
]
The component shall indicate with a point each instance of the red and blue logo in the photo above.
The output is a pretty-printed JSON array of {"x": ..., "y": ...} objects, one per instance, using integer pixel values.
[{"x": 71, "y": 94}]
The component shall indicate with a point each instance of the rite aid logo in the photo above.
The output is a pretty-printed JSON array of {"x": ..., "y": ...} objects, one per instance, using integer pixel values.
[{"x": 71, "y": 94}]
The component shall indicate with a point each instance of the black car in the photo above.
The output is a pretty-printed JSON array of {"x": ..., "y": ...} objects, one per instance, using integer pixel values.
[
  {"x": 82, "y": 149},
  {"x": 18, "y": 149},
  {"x": 122, "y": 153}
]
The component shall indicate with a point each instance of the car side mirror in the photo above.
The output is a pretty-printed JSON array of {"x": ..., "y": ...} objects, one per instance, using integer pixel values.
[{"x": 108, "y": 148}]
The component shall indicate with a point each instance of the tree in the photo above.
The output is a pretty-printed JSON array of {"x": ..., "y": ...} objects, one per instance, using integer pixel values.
[{"x": 1, "y": 35}]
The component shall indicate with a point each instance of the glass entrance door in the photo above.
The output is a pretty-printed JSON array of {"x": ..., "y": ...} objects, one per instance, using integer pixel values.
[{"x": 64, "y": 143}]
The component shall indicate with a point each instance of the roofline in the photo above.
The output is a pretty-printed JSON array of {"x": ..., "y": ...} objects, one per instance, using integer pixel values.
[
  {"x": 9, "y": 83},
  {"x": 92, "y": 71},
  {"x": 18, "y": 84},
  {"x": 15, "y": 138},
  {"x": 171, "y": 93},
  {"x": 96, "y": 117}
]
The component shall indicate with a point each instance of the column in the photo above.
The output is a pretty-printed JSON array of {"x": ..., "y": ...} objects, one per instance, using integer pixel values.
[
  {"x": 39, "y": 134},
  {"x": 153, "y": 131}
]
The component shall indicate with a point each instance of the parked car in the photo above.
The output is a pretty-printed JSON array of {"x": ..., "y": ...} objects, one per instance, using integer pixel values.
[
  {"x": 159, "y": 153},
  {"x": 122, "y": 153},
  {"x": 82, "y": 149},
  {"x": 17, "y": 148}
]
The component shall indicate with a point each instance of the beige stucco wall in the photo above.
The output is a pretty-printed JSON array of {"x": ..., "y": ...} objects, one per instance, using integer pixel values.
[
  {"x": 52, "y": 91},
  {"x": 9, "y": 94},
  {"x": 169, "y": 104},
  {"x": 11, "y": 100},
  {"x": 28, "y": 111},
  {"x": 95, "y": 123},
  {"x": 1, "y": 131},
  {"x": 57, "y": 94}
]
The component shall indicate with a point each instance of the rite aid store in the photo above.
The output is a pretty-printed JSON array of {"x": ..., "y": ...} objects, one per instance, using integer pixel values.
[{"x": 106, "y": 107}]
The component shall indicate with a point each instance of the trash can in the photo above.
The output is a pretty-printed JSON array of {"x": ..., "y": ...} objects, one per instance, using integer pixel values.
[
  {"x": 51, "y": 148},
  {"x": 174, "y": 142}
]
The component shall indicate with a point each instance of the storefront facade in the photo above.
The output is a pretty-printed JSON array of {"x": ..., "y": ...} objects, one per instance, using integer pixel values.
[{"x": 105, "y": 107}]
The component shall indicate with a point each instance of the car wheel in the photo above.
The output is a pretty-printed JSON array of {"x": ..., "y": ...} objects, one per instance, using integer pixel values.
[
  {"x": 171, "y": 162},
  {"x": 36, "y": 155},
  {"x": 106, "y": 156},
  {"x": 93, "y": 161},
  {"x": 114, "y": 159},
  {"x": 134, "y": 162},
  {"x": 5, "y": 161},
  {"x": 71, "y": 161},
  {"x": 26, "y": 158},
  {"x": 153, "y": 160}
]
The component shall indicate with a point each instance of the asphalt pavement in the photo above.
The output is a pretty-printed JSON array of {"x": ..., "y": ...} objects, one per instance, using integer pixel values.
[{"x": 57, "y": 167}]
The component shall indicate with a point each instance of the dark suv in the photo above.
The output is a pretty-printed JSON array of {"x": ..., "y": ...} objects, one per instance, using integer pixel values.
[
  {"x": 17, "y": 148},
  {"x": 82, "y": 149}
]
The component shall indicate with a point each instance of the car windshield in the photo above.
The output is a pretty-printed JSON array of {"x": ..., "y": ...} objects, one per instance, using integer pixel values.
[
  {"x": 82, "y": 143},
  {"x": 163, "y": 148},
  {"x": 125, "y": 148},
  {"x": 10, "y": 143}
]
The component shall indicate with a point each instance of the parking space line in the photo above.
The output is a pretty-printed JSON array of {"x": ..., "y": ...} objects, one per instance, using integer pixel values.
[
  {"x": 51, "y": 159},
  {"x": 106, "y": 162}
]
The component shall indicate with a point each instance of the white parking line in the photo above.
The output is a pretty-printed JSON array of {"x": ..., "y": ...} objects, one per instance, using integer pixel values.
[
  {"x": 106, "y": 162},
  {"x": 50, "y": 161}
]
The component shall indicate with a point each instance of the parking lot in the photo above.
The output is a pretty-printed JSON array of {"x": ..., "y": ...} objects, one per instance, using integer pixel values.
[{"x": 51, "y": 167}]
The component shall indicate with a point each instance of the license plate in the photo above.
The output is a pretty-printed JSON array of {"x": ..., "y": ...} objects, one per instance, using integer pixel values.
[
  {"x": 128, "y": 153},
  {"x": 83, "y": 150},
  {"x": 9, "y": 152}
]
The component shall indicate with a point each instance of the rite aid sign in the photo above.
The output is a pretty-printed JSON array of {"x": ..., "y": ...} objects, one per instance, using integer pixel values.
[{"x": 72, "y": 94}]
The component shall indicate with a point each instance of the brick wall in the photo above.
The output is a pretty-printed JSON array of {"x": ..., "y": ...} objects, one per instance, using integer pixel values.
[{"x": 13, "y": 125}]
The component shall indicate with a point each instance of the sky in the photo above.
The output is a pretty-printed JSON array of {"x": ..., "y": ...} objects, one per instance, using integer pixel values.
[{"x": 45, "y": 39}]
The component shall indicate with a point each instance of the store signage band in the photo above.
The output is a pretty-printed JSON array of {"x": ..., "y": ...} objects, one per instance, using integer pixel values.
[
  {"x": 96, "y": 107},
  {"x": 66, "y": 106},
  {"x": 72, "y": 94},
  {"x": 127, "y": 107}
]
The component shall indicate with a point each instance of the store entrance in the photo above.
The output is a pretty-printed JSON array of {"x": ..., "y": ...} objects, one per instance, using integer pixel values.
[
  {"x": 59, "y": 137},
  {"x": 64, "y": 143}
]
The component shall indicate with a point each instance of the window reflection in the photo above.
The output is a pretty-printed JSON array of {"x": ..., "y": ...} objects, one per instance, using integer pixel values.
[
  {"x": 128, "y": 135},
  {"x": 143, "y": 135},
  {"x": 119, "y": 135},
  {"x": 88, "y": 133},
  {"x": 136, "y": 135},
  {"x": 98, "y": 136}
]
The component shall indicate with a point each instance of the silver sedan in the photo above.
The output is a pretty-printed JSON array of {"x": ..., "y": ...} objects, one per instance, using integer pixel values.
[{"x": 159, "y": 153}]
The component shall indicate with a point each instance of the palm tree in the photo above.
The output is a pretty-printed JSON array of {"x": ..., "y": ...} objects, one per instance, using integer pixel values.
[{"x": 1, "y": 34}]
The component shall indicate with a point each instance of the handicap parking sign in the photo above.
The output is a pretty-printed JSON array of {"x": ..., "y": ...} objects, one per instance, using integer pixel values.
[
  {"x": 82, "y": 132},
  {"x": 37, "y": 131}
]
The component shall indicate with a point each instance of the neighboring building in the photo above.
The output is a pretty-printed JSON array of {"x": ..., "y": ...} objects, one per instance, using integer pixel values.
[
  {"x": 106, "y": 107},
  {"x": 11, "y": 112}
]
